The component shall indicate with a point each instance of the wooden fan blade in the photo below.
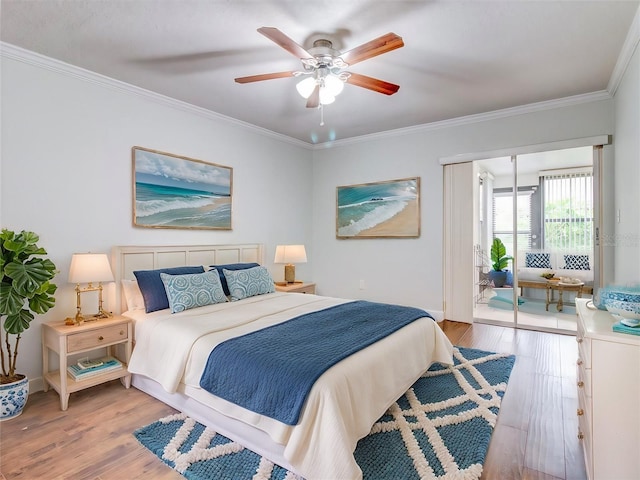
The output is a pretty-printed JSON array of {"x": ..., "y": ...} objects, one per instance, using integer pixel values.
[
  {"x": 314, "y": 99},
  {"x": 264, "y": 76},
  {"x": 375, "y": 47},
  {"x": 285, "y": 42},
  {"x": 374, "y": 84}
]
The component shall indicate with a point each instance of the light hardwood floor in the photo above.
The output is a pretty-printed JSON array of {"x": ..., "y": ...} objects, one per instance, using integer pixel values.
[{"x": 535, "y": 437}]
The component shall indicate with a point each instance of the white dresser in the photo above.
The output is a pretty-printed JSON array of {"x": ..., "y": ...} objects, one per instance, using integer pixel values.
[{"x": 608, "y": 396}]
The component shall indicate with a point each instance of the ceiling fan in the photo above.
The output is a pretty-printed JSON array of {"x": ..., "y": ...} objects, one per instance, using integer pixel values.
[{"x": 324, "y": 67}]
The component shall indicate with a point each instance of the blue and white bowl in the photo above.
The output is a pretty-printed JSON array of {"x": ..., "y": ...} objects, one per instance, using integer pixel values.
[
  {"x": 627, "y": 313},
  {"x": 616, "y": 292}
]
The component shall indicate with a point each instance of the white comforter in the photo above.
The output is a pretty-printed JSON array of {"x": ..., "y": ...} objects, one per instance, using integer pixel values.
[{"x": 341, "y": 407}]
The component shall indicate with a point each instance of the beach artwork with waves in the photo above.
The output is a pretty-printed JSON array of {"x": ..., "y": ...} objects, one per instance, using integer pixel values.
[
  {"x": 171, "y": 191},
  {"x": 379, "y": 210}
]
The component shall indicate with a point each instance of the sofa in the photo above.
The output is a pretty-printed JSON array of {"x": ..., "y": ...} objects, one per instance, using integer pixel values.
[{"x": 573, "y": 264}]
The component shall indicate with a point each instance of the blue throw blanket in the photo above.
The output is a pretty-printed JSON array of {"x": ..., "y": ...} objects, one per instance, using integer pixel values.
[{"x": 272, "y": 370}]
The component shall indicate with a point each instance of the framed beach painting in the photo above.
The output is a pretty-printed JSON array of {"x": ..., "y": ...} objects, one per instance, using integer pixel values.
[
  {"x": 389, "y": 209},
  {"x": 171, "y": 191}
]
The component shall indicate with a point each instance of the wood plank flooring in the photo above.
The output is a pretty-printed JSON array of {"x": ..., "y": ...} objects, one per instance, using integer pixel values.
[{"x": 535, "y": 437}]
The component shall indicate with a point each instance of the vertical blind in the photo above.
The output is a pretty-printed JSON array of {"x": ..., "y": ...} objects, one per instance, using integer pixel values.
[{"x": 568, "y": 209}]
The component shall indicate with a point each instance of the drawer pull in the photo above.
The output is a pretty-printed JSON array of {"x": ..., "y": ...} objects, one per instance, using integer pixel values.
[
  {"x": 100, "y": 338},
  {"x": 580, "y": 435},
  {"x": 580, "y": 412},
  {"x": 121, "y": 332},
  {"x": 580, "y": 384}
]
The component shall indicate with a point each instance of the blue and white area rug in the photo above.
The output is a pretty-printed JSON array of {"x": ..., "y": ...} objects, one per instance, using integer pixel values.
[{"x": 440, "y": 428}]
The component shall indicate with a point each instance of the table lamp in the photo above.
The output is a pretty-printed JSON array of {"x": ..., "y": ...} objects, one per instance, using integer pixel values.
[
  {"x": 89, "y": 268},
  {"x": 290, "y": 254}
]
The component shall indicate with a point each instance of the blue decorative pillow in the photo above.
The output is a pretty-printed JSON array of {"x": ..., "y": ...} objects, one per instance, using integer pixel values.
[
  {"x": 193, "y": 290},
  {"x": 537, "y": 260},
  {"x": 249, "y": 282},
  {"x": 576, "y": 262},
  {"x": 152, "y": 288},
  {"x": 231, "y": 266}
]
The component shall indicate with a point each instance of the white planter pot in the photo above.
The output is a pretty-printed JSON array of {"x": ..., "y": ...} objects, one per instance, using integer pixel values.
[{"x": 13, "y": 398}]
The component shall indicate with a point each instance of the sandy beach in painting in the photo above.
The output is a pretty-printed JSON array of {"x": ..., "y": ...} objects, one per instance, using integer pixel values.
[{"x": 404, "y": 223}]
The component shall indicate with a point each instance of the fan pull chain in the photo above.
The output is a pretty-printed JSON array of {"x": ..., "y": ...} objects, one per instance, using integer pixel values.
[{"x": 321, "y": 115}]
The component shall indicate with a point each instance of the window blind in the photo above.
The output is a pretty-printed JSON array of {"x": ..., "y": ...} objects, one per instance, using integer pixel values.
[{"x": 568, "y": 210}]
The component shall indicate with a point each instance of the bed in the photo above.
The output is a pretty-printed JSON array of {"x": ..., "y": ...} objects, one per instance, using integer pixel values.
[{"x": 172, "y": 349}]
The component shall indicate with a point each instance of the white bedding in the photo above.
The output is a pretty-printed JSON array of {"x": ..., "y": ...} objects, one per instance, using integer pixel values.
[{"x": 172, "y": 349}]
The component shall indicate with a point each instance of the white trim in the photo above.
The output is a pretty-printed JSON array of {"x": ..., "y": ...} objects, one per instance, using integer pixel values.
[
  {"x": 628, "y": 48},
  {"x": 524, "y": 149},
  {"x": 13, "y": 52}
]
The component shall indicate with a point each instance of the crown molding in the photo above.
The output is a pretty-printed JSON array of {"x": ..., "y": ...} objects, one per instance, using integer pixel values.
[
  {"x": 476, "y": 118},
  {"x": 14, "y": 52},
  {"x": 628, "y": 49}
]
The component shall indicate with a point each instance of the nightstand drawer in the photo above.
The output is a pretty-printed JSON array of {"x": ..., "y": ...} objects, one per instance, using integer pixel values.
[
  {"x": 299, "y": 287},
  {"x": 96, "y": 338},
  {"x": 306, "y": 289}
]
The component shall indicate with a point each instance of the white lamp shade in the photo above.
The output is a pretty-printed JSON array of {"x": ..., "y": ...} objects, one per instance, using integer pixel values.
[
  {"x": 325, "y": 97},
  {"x": 90, "y": 267},
  {"x": 306, "y": 86},
  {"x": 333, "y": 85},
  {"x": 290, "y": 254}
]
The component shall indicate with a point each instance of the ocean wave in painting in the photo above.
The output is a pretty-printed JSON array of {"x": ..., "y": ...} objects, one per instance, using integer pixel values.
[
  {"x": 361, "y": 216},
  {"x": 162, "y": 205}
]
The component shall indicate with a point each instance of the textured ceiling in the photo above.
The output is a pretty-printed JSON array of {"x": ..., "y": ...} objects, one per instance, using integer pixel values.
[{"x": 460, "y": 57}]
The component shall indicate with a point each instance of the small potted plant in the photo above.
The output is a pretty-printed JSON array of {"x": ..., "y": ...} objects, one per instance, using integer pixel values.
[
  {"x": 499, "y": 261},
  {"x": 25, "y": 290}
]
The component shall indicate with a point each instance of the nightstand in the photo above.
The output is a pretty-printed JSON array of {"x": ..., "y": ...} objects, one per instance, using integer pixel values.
[
  {"x": 301, "y": 287},
  {"x": 68, "y": 340}
]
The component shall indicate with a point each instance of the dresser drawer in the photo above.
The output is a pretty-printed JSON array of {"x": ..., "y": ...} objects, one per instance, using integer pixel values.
[{"x": 96, "y": 338}]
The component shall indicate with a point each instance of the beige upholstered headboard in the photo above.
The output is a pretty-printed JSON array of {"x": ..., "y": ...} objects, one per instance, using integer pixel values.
[{"x": 126, "y": 259}]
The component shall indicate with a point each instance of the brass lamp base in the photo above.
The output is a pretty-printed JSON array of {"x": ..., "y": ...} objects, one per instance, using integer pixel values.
[{"x": 80, "y": 318}]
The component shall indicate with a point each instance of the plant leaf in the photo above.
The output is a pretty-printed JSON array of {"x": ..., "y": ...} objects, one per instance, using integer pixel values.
[
  {"x": 43, "y": 300},
  {"x": 19, "y": 322},
  {"x": 27, "y": 277},
  {"x": 10, "y": 301}
]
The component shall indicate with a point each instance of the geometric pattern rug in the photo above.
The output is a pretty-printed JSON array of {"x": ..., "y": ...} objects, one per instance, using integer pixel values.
[{"x": 439, "y": 429}]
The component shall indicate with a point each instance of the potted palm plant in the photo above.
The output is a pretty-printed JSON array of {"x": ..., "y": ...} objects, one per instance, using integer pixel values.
[
  {"x": 25, "y": 290},
  {"x": 499, "y": 261}
]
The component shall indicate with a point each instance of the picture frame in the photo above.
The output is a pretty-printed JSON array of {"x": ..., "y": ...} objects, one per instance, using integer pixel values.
[
  {"x": 173, "y": 191},
  {"x": 387, "y": 209}
]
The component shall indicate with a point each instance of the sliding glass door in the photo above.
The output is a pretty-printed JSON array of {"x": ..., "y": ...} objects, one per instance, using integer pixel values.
[{"x": 541, "y": 208}]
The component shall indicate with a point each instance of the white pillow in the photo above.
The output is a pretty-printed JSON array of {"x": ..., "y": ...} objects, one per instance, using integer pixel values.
[{"x": 132, "y": 295}]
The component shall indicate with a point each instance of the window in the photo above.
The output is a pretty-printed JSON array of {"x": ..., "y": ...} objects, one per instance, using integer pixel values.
[
  {"x": 503, "y": 217},
  {"x": 568, "y": 209}
]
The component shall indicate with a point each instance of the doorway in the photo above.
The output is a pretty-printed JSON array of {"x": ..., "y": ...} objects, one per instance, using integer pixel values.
[{"x": 539, "y": 208}]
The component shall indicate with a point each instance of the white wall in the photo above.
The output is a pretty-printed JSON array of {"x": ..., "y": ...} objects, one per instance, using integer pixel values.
[
  {"x": 626, "y": 241},
  {"x": 67, "y": 175},
  {"x": 409, "y": 271}
]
